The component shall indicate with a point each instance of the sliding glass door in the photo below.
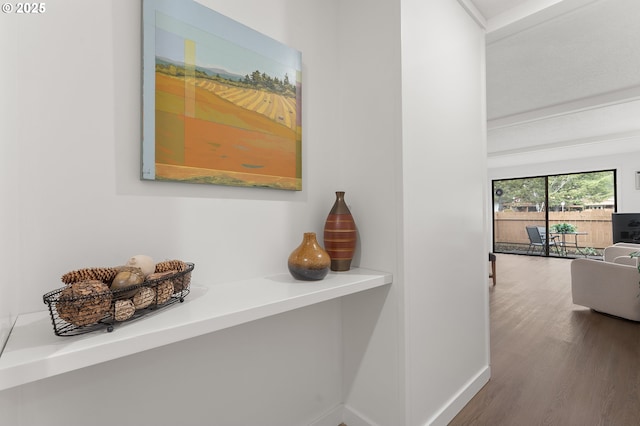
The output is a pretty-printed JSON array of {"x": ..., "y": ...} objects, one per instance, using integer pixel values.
[{"x": 565, "y": 215}]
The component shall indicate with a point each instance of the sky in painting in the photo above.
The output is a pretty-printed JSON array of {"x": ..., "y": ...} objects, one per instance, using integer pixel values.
[{"x": 215, "y": 51}]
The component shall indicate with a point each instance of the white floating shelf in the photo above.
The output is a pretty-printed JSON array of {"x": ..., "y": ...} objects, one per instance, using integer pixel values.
[{"x": 34, "y": 352}]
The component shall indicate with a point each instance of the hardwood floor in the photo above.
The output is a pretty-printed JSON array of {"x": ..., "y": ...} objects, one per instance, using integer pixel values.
[{"x": 552, "y": 362}]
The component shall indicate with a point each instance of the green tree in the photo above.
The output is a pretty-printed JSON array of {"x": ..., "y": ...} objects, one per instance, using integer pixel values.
[
  {"x": 572, "y": 189},
  {"x": 514, "y": 193}
]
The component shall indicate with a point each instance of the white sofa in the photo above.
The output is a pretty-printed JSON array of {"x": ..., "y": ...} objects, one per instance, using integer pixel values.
[
  {"x": 619, "y": 253},
  {"x": 609, "y": 286}
]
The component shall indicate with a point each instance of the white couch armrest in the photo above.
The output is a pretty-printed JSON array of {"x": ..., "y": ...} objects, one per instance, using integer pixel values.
[
  {"x": 606, "y": 287},
  {"x": 637, "y": 246},
  {"x": 613, "y": 252}
]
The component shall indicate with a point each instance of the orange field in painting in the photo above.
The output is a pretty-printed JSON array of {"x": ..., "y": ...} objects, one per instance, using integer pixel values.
[{"x": 224, "y": 142}]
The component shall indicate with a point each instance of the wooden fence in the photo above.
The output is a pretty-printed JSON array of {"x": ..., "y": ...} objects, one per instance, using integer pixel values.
[{"x": 509, "y": 226}]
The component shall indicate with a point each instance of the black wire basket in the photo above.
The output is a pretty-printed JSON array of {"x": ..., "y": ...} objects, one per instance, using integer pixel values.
[{"x": 103, "y": 308}]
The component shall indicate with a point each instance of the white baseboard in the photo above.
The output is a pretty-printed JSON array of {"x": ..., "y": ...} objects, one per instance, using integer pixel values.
[
  {"x": 343, "y": 414},
  {"x": 332, "y": 418},
  {"x": 352, "y": 417},
  {"x": 458, "y": 401},
  {"x": 347, "y": 415}
]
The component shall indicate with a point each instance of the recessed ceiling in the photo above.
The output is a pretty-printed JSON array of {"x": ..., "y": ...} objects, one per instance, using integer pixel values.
[
  {"x": 492, "y": 8},
  {"x": 500, "y": 16},
  {"x": 561, "y": 73}
]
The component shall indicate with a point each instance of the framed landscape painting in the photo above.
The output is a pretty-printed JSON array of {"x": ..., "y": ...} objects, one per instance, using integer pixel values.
[{"x": 221, "y": 102}]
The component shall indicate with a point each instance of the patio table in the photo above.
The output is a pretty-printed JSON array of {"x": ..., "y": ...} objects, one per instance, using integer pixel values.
[{"x": 563, "y": 243}]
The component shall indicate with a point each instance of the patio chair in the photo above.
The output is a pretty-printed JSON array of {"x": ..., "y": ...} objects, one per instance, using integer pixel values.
[{"x": 537, "y": 238}]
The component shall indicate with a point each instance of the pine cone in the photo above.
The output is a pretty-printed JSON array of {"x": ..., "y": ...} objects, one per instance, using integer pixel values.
[
  {"x": 105, "y": 275},
  {"x": 171, "y": 265}
]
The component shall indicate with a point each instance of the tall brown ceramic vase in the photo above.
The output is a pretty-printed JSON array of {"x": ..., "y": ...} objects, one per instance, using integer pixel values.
[
  {"x": 340, "y": 235},
  {"x": 309, "y": 261}
]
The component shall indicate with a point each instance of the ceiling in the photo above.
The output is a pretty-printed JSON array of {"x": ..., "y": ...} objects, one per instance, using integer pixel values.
[
  {"x": 561, "y": 73},
  {"x": 492, "y": 8}
]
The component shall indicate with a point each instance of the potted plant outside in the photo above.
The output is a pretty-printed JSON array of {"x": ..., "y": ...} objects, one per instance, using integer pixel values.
[{"x": 563, "y": 228}]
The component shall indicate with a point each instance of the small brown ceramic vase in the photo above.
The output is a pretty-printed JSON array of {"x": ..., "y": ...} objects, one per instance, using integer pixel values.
[
  {"x": 340, "y": 235},
  {"x": 309, "y": 261}
]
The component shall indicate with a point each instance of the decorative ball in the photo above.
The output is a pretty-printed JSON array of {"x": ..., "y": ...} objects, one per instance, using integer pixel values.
[
  {"x": 84, "y": 302},
  {"x": 144, "y": 262},
  {"x": 127, "y": 277},
  {"x": 164, "y": 290},
  {"x": 179, "y": 283},
  {"x": 182, "y": 282},
  {"x": 123, "y": 309},
  {"x": 159, "y": 275},
  {"x": 144, "y": 297},
  {"x": 164, "y": 287}
]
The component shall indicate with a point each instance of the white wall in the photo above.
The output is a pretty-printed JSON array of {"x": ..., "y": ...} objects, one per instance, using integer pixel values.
[
  {"x": 445, "y": 257},
  {"x": 371, "y": 164},
  {"x": 10, "y": 181},
  {"x": 406, "y": 121},
  {"x": 389, "y": 109},
  {"x": 81, "y": 203}
]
